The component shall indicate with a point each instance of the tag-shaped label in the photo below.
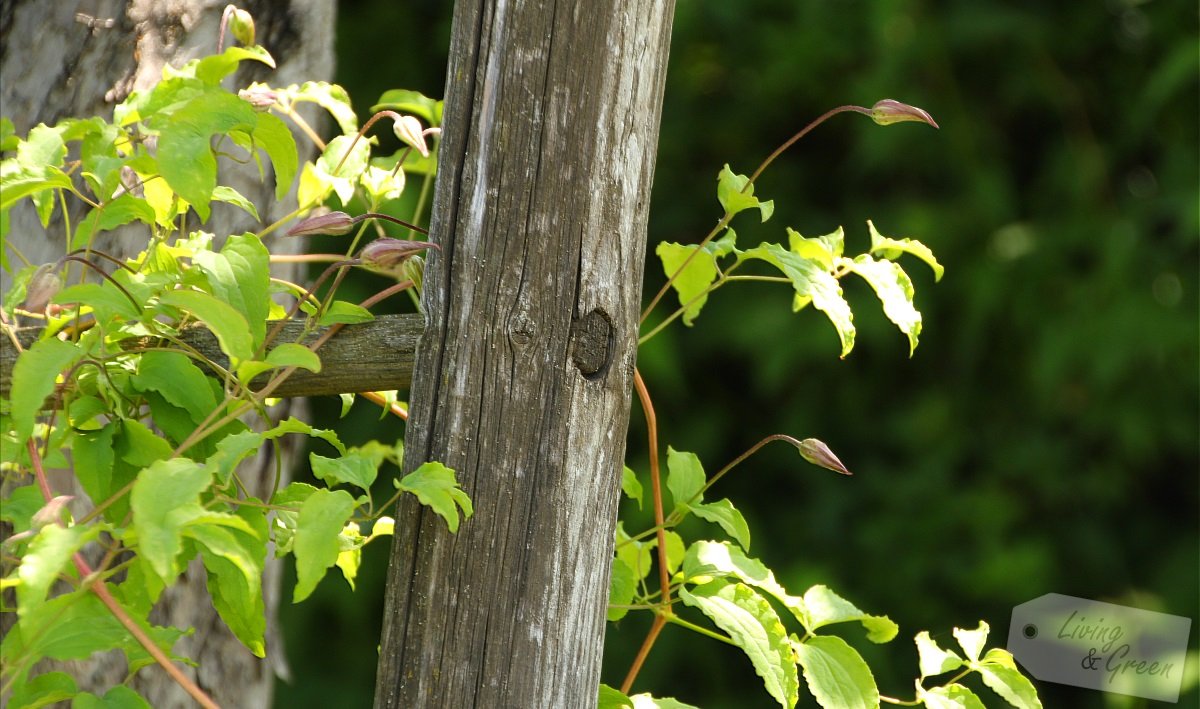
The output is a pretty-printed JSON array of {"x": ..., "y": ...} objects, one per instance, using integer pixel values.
[{"x": 1101, "y": 646}]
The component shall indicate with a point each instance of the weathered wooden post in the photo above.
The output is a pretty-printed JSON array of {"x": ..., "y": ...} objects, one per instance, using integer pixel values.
[{"x": 522, "y": 379}]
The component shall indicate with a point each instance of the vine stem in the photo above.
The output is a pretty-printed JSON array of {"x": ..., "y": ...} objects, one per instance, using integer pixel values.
[
  {"x": 100, "y": 588},
  {"x": 660, "y": 617}
]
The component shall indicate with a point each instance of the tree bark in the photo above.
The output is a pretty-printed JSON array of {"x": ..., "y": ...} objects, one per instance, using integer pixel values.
[
  {"x": 75, "y": 58},
  {"x": 522, "y": 380}
]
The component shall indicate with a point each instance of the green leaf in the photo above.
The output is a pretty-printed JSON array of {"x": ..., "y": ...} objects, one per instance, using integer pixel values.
[
  {"x": 20, "y": 506},
  {"x": 272, "y": 135},
  {"x": 889, "y": 248},
  {"x": 33, "y": 379},
  {"x": 165, "y": 498},
  {"x": 410, "y": 102},
  {"x": 352, "y": 468},
  {"x": 103, "y": 298},
  {"x": 934, "y": 660},
  {"x": 43, "y": 690},
  {"x": 972, "y": 641},
  {"x": 322, "y": 516},
  {"x": 48, "y": 556},
  {"x": 43, "y": 147},
  {"x": 332, "y": 98},
  {"x": 694, "y": 280},
  {"x": 629, "y": 485},
  {"x": 822, "y": 249},
  {"x": 240, "y": 275},
  {"x": 232, "y": 449},
  {"x": 118, "y": 212},
  {"x": 213, "y": 68},
  {"x": 231, "y": 328},
  {"x": 228, "y": 195},
  {"x": 725, "y": 514},
  {"x": 8, "y": 135},
  {"x": 732, "y": 197},
  {"x": 178, "y": 380},
  {"x": 951, "y": 696},
  {"x": 290, "y": 354},
  {"x": 895, "y": 291},
  {"x": 343, "y": 179},
  {"x": 999, "y": 672},
  {"x": 234, "y": 562},
  {"x": 706, "y": 560},
  {"x": 340, "y": 311},
  {"x": 119, "y": 697},
  {"x": 752, "y": 624},
  {"x": 74, "y": 626},
  {"x": 613, "y": 699},
  {"x": 435, "y": 485},
  {"x": 836, "y": 674},
  {"x": 685, "y": 478},
  {"x": 812, "y": 283},
  {"x": 622, "y": 584},
  {"x": 825, "y": 607},
  {"x": 185, "y": 158},
  {"x": 19, "y": 182}
]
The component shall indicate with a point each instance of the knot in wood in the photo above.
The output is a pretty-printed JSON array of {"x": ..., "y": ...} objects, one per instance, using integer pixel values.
[{"x": 592, "y": 343}]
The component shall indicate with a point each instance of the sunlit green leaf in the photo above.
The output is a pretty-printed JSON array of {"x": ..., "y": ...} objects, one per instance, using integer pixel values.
[
  {"x": 165, "y": 497},
  {"x": 352, "y": 468},
  {"x": 999, "y": 672},
  {"x": 33, "y": 379},
  {"x": 895, "y": 291},
  {"x": 228, "y": 195},
  {"x": 178, "y": 380},
  {"x": 752, "y": 624},
  {"x": 735, "y": 196},
  {"x": 685, "y": 477},
  {"x": 410, "y": 102},
  {"x": 43, "y": 690},
  {"x": 622, "y": 584},
  {"x": 48, "y": 556},
  {"x": 825, "y": 607},
  {"x": 234, "y": 561},
  {"x": 272, "y": 135},
  {"x": 231, "y": 328},
  {"x": 119, "y": 697},
  {"x": 331, "y": 97},
  {"x": 185, "y": 158},
  {"x": 692, "y": 282},
  {"x": 213, "y": 68},
  {"x": 972, "y": 641},
  {"x": 812, "y": 283},
  {"x": 630, "y": 485},
  {"x": 951, "y": 696},
  {"x": 103, "y": 298},
  {"x": 322, "y": 516},
  {"x": 890, "y": 248},
  {"x": 436, "y": 486},
  {"x": 725, "y": 514},
  {"x": 933, "y": 659},
  {"x": 340, "y": 311},
  {"x": 836, "y": 674}
]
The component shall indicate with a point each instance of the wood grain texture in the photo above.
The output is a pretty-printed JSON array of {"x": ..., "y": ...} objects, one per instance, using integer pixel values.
[
  {"x": 522, "y": 381},
  {"x": 373, "y": 356}
]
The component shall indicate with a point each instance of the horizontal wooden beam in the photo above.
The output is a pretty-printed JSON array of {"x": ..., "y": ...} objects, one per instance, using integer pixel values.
[{"x": 373, "y": 356}]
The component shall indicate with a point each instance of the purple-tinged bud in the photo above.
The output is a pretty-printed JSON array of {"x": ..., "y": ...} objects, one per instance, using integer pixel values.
[
  {"x": 889, "y": 111},
  {"x": 387, "y": 255},
  {"x": 818, "y": 453},
  {"x": 42, "y": 286},
  {"x": 259, "y": 97},
  {"x": 241, "y": 26},
  {"x": 330, "y": 223},
  {"x": 408, "y": 129}
]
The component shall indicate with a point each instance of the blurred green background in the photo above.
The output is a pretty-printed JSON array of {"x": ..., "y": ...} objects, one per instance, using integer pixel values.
[{"x": 1044, "y": 437}]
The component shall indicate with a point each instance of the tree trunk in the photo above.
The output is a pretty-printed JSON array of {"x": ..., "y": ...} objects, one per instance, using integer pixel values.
[
  {"x": 74, "y": 58},
  {"x": 522, "y": 380}
]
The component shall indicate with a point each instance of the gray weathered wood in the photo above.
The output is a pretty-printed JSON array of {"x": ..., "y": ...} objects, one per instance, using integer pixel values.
[
  {"x": 373, "y": 356},
  {"x": 522, "y": 381}
]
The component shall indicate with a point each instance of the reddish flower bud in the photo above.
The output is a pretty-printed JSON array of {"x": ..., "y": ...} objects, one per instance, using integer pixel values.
[
  {"x": 259, "y": 96},
  {"x": 818, "y": 453},
  {"x": 42, "y": 286},
  {"x": 387, "y": 255},
  {"x": 408, "y": 129},
  {"x": 889, "y": 111},
  {"x": 330, "y": 223}
]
